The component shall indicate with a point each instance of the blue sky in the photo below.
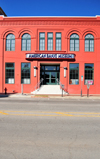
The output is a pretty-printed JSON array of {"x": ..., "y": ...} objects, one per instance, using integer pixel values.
[{"x": 51, "y": 7}]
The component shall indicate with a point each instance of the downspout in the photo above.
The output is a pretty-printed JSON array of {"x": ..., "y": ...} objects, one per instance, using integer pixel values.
[{"x": 3, "y": 66}]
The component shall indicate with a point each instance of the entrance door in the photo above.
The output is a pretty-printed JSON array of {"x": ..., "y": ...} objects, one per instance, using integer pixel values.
[
  {"x": 50, "y": 74},
  {"x": 51, "y": 78}
]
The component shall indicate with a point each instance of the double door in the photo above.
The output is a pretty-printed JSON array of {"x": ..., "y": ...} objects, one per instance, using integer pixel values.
[
  {"x": 51, "y": 78},
  {"x": 50, "y": 75}
]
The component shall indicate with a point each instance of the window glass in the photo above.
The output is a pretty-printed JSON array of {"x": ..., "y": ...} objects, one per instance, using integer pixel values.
[
  {"x": 50, "y": 67},
  {"x": 74, "y": 74},
  {"x": 89, "y": 42},
  {"x": 89, "y": 36},
  {"x": 25, "y": 73},
  {"x": 58, "y": 35},
  {"x": 26, "y": 42},
  {"x": 50, "y": 35},
  {"x": 42, "y": 35},
  {"x": 9, "y": 73},
  {"x": 50, "y": 41},
  {"x": 74, "y": 42},
  {"x": 74, "y": 66},
  {"x": 58, "y": 41},
  {"x": 58, "y": 67},
  {"x": 89, "y": 73},
  {"x": 42, "y": 41},
  {"x": 10, "y": 42},
  {"x": 42, "y": 68}
]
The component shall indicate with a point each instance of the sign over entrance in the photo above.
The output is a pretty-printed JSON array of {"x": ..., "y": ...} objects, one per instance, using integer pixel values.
[{"x": 50, "y": 56}]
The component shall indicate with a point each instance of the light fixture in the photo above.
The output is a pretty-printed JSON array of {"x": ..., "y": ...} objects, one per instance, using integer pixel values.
[
  {"x": 65, "y": 68},
  {"x": 35, "y": 71}
]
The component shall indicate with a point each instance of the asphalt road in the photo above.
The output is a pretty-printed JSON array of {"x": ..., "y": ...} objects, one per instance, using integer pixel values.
[{"x": 49, "y": 128}]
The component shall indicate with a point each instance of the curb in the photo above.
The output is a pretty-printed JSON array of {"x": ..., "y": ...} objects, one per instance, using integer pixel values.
[{"x": 47, "y": 96}]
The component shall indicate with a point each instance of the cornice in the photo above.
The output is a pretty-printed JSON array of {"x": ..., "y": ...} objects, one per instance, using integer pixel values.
[{"x": 49, "y": 21}]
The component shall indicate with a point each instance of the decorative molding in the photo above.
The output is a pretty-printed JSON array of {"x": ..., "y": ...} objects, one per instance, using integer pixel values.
[
  {"x": 50, "y": 22},
  {"x": 9, "y": 31},
  {"x": 71, "y": 31},
  {"x": 26, "y": 30}
]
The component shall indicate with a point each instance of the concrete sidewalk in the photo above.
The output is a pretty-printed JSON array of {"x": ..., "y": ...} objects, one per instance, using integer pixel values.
[{"x": 18, "y": 95}]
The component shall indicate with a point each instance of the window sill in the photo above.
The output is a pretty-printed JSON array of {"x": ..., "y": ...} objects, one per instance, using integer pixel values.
[
  {"x": 10, "y": 50},
  {"x": 74, "y": 51},
  {"x": 9, "y": 83},
  {"x": 26, "y": 50},
  {"x": 74, "y": 84},
  {"x": 25, "y": 83},
  {"x": 50, "y": 51},
  {"x": 88, "y": 51}
]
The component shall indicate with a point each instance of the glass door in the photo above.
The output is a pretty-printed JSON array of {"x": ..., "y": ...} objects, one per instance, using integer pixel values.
[
  {"x": 47, "y": 78},
  {"x": 53, "y": 78},
  {"x": 50, "y": 74}
]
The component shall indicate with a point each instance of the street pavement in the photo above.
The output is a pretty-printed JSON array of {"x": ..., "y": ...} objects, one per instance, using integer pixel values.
[{"x": 49, "y": 128}]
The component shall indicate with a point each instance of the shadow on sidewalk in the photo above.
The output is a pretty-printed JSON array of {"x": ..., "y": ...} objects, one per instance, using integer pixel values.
[{"x": 3, "y": 95}]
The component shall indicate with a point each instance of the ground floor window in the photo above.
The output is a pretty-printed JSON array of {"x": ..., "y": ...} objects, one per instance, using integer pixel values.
[
  {"x": 74, "y": 73},
  {"x": 9, "y": 73},
  {"x": 25, "y": 73},
  {"x": 89, "y": 72}
]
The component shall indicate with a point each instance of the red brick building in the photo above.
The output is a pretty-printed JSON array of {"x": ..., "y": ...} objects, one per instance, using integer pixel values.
[{"x": 65, "y": 49}]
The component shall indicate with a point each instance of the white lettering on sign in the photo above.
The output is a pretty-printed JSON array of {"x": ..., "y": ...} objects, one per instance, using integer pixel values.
[{"x": 51, "y": 56}]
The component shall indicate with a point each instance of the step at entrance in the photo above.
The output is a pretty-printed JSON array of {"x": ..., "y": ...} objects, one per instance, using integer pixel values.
[{"x": 49, "y": 89}]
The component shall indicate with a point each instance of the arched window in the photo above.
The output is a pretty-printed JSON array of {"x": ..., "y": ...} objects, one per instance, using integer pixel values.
[
  {"x": 74, "y": 42},
  {"x": 26, "y": 42},
  {"x": 10, "y": 42},
  {"x": 89, "y": 42}
]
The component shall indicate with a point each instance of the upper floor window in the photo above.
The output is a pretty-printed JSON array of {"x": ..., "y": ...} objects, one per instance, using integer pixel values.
[
  {"x": 58, "y": 41},
  {"x": 26, "y": 42},
  {"x": 50, "y": 41},
  {"x": 42, "y": 41},
  {"x": 89, "y": 42},
  {"x": 10, "y": 42},
  {"x": 74, "y": 42}
]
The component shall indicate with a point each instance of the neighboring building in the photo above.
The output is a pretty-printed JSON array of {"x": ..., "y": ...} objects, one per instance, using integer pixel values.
[
  {"x": 52, "y": 48},
  {"x": 2, "y": 12}
]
